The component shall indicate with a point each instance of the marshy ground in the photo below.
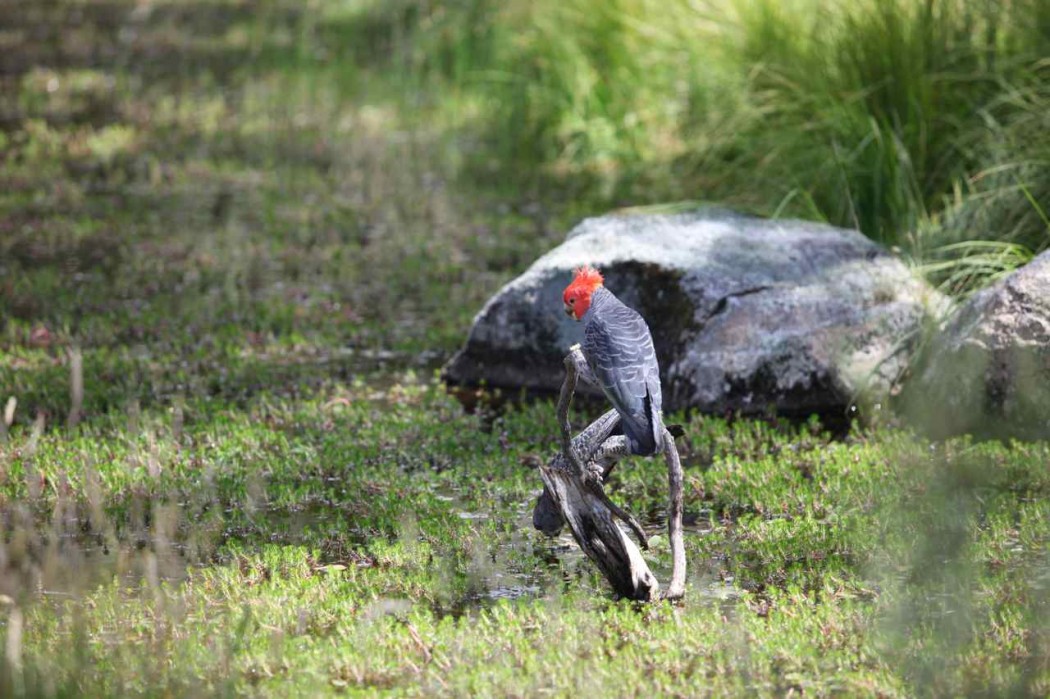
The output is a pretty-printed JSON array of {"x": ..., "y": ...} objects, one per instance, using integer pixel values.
[{"x": 261, "y": 254}]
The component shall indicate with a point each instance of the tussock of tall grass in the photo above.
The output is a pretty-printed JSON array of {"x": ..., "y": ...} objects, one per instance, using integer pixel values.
[{"x": 923, "y": 124}]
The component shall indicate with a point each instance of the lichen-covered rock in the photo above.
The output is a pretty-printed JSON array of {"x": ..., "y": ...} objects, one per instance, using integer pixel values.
[
  {"x": 747, "y": 315},
  {"x": 987, "y": 372}
]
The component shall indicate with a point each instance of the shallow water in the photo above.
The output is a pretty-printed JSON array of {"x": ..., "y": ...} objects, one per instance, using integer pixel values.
[{"x": 72, "y": 550}]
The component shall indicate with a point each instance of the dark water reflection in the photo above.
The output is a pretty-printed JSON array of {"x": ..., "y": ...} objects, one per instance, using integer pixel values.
[{"x": 72, "y": 549}]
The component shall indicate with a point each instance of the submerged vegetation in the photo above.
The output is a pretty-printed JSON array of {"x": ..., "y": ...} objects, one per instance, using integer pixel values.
[{"x": 237, "y": 238}]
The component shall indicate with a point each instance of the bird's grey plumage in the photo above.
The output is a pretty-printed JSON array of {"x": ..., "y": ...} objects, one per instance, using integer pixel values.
[{"x": 619, "y": 350}]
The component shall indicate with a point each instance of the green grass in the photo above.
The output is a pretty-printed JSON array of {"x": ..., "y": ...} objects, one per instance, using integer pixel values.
[
  {"x": 262, "y": 226},
  {"x": 921, "y": 124},
  {"x": 338, "y": 542}
]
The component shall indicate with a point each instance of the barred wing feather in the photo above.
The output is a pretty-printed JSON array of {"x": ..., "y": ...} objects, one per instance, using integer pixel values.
[{"x": 619, "y": 350}]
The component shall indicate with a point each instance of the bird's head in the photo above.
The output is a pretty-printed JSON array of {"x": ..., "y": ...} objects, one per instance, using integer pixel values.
[{"x": 577, "y": 296}]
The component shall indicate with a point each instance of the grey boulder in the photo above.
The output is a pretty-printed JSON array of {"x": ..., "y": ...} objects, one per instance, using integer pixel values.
[
  {"x": 987, "y": 372},
  {"x": 748, "y": 315}
]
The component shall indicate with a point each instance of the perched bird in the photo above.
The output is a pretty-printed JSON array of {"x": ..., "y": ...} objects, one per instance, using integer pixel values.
[{"x": 619, "y": 351}]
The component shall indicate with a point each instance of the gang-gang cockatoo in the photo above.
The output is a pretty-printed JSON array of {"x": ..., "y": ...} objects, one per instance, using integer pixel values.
[{"x": 619, "y": 351}]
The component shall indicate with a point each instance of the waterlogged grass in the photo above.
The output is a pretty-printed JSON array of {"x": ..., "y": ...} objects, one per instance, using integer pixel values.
[
  {"x": 377, "y": 538},
  {"x": 258, "y": 228}
]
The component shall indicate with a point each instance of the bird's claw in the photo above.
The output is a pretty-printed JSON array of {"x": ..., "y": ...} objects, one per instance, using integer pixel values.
[
  {"x": 589, "y": 472},
  {"x": 592, "y": 474}
]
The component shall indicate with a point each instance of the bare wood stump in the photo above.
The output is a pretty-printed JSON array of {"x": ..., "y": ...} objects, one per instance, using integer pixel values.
[
  {"x": 599, "y": 537},
  {"x": 573, "y": 478},
  {"x": 585, "y": 508}
]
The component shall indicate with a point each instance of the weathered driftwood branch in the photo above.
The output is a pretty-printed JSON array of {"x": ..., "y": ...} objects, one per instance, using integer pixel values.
[
  {"x": 547, "y": 516},
  {"x": 575, "y": 368},
  {"x": 676, "y": 590},
  {"x": 580, "y": 454},
  {"x": 573, "y": 494},
  {"x": 598, "y": 535}
]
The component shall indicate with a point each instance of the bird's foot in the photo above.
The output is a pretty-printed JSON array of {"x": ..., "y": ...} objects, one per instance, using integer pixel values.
[{"x": 593, "y": 474}]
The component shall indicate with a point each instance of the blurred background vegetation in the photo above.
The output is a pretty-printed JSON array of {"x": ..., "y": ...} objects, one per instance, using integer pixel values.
[
  {"x": 211, "y": 198},
  {"x": 922, "y": 123},
  {"x": 192, "y": 189}
]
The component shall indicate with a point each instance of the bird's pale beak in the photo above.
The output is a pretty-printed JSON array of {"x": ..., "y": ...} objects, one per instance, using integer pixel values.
[{"x": 569, "y": 311}]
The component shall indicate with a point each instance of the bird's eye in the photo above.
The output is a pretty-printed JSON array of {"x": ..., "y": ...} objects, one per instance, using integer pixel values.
[{"x": 572, "y": 301}]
